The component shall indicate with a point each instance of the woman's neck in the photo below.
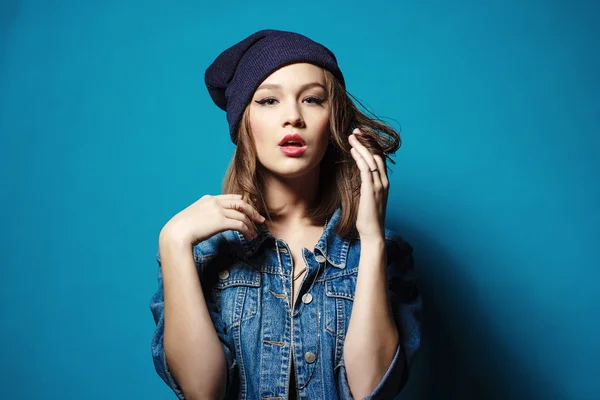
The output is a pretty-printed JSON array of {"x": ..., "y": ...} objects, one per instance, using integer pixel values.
[{"x": 295, "y": 196}]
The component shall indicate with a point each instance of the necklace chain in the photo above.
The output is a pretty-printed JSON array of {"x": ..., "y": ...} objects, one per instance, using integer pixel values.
[
  {"x": 303, "y": 269},
  {"x": 299, "y": 274}
]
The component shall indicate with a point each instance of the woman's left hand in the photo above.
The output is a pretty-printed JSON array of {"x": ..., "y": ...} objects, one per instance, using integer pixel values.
[{"x": 370, "y": 221}]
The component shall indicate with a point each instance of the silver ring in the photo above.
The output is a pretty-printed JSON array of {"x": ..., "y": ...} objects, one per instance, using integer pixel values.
[{"x": 374, "y": 170}]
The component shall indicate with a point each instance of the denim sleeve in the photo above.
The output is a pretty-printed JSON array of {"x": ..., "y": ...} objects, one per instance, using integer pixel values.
[
  {"x": 406, "y": 303},
  {"x": 157, "y": 307}
]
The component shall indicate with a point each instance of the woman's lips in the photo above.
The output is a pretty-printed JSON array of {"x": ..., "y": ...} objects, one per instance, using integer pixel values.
[{"x": 292, "y": 151}]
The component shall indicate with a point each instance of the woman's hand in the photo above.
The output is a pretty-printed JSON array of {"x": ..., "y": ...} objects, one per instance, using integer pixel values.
[
  {"x": 370, "y": 221},
  {"x": 210, "y": 215}
]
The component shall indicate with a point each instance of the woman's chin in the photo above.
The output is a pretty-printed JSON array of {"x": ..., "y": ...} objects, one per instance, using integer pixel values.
[{"x": 292, "y": 170}]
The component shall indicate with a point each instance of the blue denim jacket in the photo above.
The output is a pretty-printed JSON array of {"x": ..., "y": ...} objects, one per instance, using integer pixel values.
[{"x": 247, "y": 287}]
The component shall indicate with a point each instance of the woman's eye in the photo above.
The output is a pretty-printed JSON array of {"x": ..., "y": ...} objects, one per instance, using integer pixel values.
[
  {"x": 314, "y": 100},
  {"x": 269, "y": 102}
]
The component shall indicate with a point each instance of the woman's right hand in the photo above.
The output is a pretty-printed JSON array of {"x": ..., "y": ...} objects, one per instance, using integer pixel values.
[{"x": 210, "y": 215}]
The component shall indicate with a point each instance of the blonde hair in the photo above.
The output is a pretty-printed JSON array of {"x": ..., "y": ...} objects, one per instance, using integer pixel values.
[{"x": 245, "y": 174}]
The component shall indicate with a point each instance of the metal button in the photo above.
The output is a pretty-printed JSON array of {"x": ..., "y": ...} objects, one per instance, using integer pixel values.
[
  {"x": 223, "y": 274},
  {"x": 283, "y": 250},
  {"x": 307, "y": 298},
  {"x": 320, "y": 258},
  {"x": 310, "y": 357}
]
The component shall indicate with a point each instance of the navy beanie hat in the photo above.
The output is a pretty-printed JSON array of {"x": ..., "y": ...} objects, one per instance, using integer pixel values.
[{"x": 238, "y": 71}]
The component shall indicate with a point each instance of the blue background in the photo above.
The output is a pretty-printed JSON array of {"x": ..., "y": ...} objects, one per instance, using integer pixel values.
[{"x": 107, "y": 131}]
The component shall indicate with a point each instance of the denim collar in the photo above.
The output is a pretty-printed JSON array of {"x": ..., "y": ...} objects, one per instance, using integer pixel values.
[{"x": 330, "y": 244}]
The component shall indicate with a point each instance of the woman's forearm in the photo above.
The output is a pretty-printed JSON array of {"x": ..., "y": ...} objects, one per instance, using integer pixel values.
[
  {"x": 372, "y": 337},
  {"x": 194, "y": 353}
]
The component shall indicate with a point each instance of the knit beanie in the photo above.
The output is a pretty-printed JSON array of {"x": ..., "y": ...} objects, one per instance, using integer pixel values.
[{"x": 237, "y": 72}]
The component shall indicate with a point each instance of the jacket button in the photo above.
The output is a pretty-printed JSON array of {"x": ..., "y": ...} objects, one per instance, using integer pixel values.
[
  {"x": 307, "y": 298},
  {"x": 310, "y": 357},
  {"x": 224, "y": 274},
  {"x": 320, "y": 258}
]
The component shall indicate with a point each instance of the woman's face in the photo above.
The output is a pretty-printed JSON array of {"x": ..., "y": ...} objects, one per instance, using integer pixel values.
[{"x": 292, "y": 100}]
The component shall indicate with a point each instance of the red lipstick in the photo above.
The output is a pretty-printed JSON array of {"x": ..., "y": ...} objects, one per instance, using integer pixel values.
[
  {"x": 292, "y": 145},
  {"x": 293, "y": 138}
]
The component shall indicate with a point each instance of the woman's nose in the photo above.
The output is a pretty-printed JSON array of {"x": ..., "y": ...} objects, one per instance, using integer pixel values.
[{"x": 293, "y": 117}]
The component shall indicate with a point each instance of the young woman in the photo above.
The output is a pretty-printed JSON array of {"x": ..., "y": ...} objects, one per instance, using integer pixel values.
[{"x": 288, "y": 285}]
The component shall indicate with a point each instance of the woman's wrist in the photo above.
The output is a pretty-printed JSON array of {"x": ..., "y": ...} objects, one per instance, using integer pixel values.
[{"x": 375, "y": 241}]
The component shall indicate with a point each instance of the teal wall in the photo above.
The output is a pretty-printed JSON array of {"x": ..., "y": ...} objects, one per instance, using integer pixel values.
[{"x": 107, "y": 131}]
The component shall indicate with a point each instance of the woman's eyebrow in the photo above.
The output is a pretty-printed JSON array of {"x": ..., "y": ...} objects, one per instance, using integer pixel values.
[{"x": 303, "y": 87}]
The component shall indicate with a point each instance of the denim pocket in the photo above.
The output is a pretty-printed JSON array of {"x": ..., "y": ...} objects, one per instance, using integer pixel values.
[
  {"x": 236, "y": 292},
  {"x": 339, "y": 298}
]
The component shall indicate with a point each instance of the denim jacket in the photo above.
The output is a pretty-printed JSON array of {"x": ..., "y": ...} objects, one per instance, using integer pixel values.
[{"x": 247, "y": 285}]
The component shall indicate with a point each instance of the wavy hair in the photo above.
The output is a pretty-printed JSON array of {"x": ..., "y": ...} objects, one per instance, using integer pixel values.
[{"x": 245, "y": 175}]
